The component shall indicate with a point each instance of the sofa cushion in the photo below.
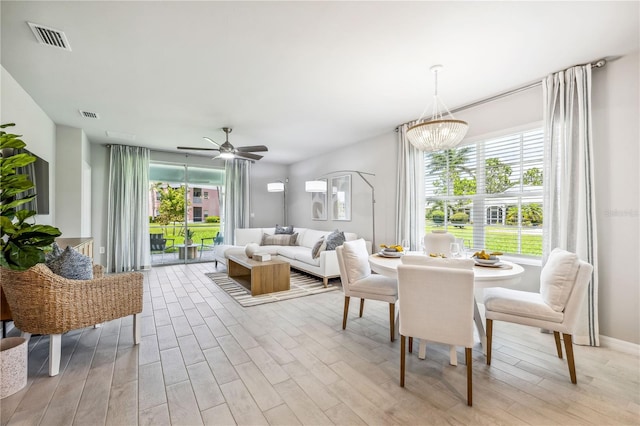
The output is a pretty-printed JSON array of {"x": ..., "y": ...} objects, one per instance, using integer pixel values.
[
  {"x": 245, "y": 236},
  {"x": 279, "y": 240},
  {"x": 292, "y": 251},
  {"x": 310, "y": 237},
  {"x": 284, "y": 229},
  {"x": 335, "y": 239},
  {"x": 306, "y": 257},
  {"x": 272, "y": 250},
  {"x": 557, "y": 278},
  {"x": 350, "y": 236},
  {"x": 54, "y": 253},
  {"x": 72, "y": 264}
]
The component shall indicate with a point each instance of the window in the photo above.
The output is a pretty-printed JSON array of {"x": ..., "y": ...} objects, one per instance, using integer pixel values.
[
  {"x": 489, "y": 192},
  {"x": 206, "y": 195}
]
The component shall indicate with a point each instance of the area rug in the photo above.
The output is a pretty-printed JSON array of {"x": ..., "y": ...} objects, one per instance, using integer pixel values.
[{"x": 301, "y": 285}]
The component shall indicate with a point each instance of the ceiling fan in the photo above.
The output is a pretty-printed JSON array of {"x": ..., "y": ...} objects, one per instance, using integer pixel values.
[{"x": 226, "y": 150}]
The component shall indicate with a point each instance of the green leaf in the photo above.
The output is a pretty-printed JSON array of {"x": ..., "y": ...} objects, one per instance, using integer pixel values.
[
  {"x": 24, "y": 257},
  {"x": 17, "y": 203}
]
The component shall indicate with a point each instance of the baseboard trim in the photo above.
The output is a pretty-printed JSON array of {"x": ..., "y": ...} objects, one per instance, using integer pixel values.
[{"x": 620, "y": 345}]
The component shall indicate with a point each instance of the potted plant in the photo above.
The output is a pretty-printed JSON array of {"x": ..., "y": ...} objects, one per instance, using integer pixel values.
[
  {"x": 22, "y": 243},
  {"x": 189, "y": 238}
]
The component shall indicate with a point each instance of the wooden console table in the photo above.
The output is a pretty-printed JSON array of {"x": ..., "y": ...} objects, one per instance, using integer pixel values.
[
  {"x": 83, "y": 245},
  {"x": 259, "y": 277}
]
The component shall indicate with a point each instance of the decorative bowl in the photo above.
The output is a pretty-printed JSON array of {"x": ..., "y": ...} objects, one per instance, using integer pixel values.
[{"x": 492, "y": 260}]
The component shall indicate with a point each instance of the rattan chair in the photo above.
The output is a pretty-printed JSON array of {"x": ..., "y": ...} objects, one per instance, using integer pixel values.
[{"x": 42, "y": 302}]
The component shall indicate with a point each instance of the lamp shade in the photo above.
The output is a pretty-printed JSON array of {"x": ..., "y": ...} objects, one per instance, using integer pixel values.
[
  {"x": 315, "y": 186},
  {"x": 275, "y": 187},
  {"x": 437, "y": 135}
]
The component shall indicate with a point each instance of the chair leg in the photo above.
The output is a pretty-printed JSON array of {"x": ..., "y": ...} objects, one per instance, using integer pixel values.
[
  {"x": 361, "y": 307},
  {"x": 469, "y": 360},
  {"x": 325, "y": 281},
  {"x": 568, "y": 347},
  {"x": 489, "y": 339},
  {"x": 136, "y": 328},
  {"x": 556, "y": 335},
  {"x": 346, "y": 312},
  {"x": 55, "y": 341},
  {"x": 392, "y": 316},
  {"x": 402, "y": 359},
  {"x": 410, "y": 344}
]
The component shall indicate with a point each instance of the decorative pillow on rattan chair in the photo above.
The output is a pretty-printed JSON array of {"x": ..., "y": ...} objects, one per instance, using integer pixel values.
[
  {"x": 55, "y": 252},
  {"x": 73, "y": 265}
]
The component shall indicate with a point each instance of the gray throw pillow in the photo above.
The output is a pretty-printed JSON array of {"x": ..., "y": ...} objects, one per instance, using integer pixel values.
[
  {"x": 284, "y": 229},
  {"x": 279, "y": 240},
  {"x": 73, "y": 265},
  {"x": 335, "y": 239},
  {"x": 55, "y": 252},
  {"x": 319, "y": 246}
]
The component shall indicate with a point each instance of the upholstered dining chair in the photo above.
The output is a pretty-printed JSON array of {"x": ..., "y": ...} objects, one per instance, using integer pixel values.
[
  {"x": 358, "y": 281},
  {"x": 563, "y": 287},
  {"x": 436, "y": 304}
]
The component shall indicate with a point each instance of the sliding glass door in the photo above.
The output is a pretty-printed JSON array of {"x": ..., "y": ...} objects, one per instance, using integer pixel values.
[{"x": 186, "y": 206}]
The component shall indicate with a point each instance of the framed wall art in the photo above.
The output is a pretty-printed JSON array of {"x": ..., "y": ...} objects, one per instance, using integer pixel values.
[
  {"x": 319, "y": 205},
  {"x": 341, "y": 197}
]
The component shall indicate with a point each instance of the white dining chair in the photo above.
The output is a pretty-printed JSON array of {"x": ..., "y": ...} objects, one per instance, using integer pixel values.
[
  {"x": 436, "y": 304},
  {"x": 563, "y": 287},
  {"x": 425, "y": 260},
  {"x": 358, "y": 281}
]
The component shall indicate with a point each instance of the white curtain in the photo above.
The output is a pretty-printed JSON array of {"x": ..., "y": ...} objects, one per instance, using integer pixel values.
[
  {"x": 128, "y": 211},
  {"x": 410, "y": 192},
  {"x": 569, "y": 204},
  {"x": 236, "y": 203}
]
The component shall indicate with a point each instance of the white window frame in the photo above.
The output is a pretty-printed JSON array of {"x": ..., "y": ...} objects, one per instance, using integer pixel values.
[{"x": 479, "y": 200}]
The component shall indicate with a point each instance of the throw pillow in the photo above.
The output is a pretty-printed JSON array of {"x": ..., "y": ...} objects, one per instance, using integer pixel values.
[
  {"x": 557, "y": 278},
  {"x": 319, "y": 246},
  {"x": 279, "y": 240},
  {"x": 73, "y": 265},
  {"x": 335, "y": 239},
  {"x": 356, "y": 260},
  {"x": 284, "y": 229},
  {"x": 54, "y": 253}
]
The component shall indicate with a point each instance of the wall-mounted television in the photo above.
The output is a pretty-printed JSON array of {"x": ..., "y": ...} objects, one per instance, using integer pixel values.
[{"x": 38, "y": 172}]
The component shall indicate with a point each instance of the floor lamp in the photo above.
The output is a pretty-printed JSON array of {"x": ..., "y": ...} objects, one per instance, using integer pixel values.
[
  {"x": 321, "y": 186},
  {"x": 280, "y": 186}
]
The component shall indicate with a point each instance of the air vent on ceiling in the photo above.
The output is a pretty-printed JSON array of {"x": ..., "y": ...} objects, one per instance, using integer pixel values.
[
  {"x": 89, "y": 114},
  {"x": 50, "y": 36}
]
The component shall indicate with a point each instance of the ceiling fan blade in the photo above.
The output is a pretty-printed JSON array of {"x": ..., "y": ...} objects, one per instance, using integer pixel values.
[
  {"x": 211, "y": 140},
  {"x": 255, "y": 148},
  {"x": 198, "y": 149},
  {"x": 248, "y": 155}
]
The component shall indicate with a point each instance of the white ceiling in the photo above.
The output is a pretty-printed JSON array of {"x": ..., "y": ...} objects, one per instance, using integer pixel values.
[{"x": 300, "y": 77}]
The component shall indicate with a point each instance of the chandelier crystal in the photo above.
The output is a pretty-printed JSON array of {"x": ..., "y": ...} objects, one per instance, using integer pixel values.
[{"x": 439, "y": 133}]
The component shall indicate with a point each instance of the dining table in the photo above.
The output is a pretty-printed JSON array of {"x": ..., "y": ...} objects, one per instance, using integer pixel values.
[{"x": 502, "y": 274}]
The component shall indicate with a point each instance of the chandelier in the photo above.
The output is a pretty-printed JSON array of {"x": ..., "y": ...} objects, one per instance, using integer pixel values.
[{"x": 439, "y": 133}]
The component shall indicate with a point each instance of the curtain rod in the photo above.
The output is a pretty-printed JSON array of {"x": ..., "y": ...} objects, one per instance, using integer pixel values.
[{"x": 597, "y": 64}]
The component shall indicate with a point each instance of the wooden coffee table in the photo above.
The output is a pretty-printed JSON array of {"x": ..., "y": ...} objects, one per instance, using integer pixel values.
[{"x": 259, "y": 277}]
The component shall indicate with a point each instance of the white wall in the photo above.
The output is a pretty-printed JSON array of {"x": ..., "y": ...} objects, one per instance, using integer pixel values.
[
  {"x": 73, "y": 175},
  {"x": 36, "y": 128},
  {"x": 267, "y": 208}
]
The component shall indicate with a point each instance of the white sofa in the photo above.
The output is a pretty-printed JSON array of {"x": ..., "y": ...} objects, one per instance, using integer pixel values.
[{"x": 299, "y": 256}]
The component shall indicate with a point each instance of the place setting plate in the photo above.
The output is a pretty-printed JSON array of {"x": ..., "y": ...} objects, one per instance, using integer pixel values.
[{"x": 391, "y": 254}]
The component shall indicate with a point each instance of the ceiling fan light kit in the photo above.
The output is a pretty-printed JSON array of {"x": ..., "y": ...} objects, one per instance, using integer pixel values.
[
  {"x": 227, "y": 151},
  {"x": 439, "y": 133}
]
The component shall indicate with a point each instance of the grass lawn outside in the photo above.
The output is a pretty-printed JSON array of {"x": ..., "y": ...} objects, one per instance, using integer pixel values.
[
  {"x": 499, "y": 238},
  {"x": 201, "y": 230}
]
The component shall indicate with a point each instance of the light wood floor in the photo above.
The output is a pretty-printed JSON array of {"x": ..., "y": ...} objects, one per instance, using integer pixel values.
[{"x": 206, "y": 360}]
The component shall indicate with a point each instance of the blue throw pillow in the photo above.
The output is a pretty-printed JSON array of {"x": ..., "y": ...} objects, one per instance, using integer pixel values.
[
  {"x": 55, "y": 252},
  {"x": 334, "y": 239},
  {"x": 284, "y": 229},
  {"x": 72, "y": 264}
]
